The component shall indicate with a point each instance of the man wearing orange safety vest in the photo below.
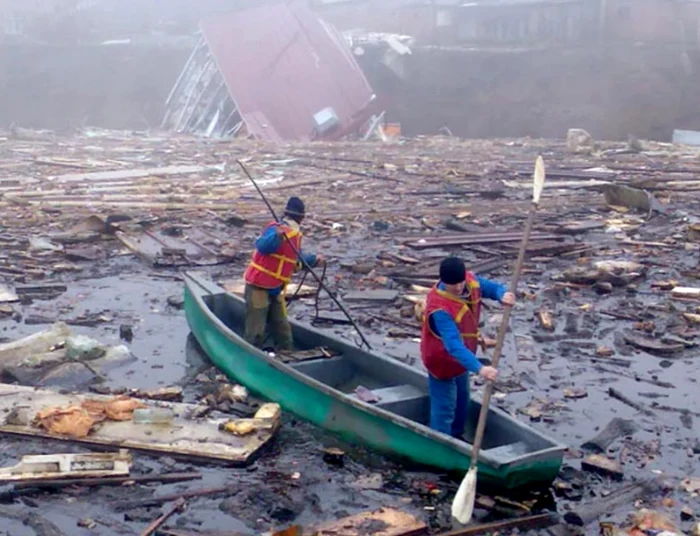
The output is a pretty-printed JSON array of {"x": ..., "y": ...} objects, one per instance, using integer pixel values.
[
  {"x": 449, "y": 342},
  {"x": 268, "y": 274}
]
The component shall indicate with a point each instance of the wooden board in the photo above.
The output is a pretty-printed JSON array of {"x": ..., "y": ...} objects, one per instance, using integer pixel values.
[
  {"x": 57, "y": 466},
  {"x": 306, "y": 355},
  {"x": 237, "y": 287},
  {"x": 183, "y": 437},
  {"x": 382, "y": 522},
  {"x": 187, "y": 249},
  {"x": 380, "y": 295}
]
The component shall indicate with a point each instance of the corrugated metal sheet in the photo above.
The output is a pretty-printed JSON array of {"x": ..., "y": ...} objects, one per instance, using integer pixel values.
[{"x": 282, "y": 65}]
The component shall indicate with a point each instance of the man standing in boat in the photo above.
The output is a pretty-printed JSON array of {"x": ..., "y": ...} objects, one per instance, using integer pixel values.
[
  {"x": 449, "y": 341},
  {"x": 268, "y": 274}
]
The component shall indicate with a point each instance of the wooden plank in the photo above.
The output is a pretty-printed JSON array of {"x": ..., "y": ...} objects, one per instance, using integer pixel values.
[
  {"x": 380, "y": 295},
  {"x": 306, "y": 355},
  {"x": 597, "y": 463},
  {"x": 473, "y": 239},
  {"x": 382, "y": 522},
  {"x": 109, "y": 481},
  {"x": 183, "y": 437},
  {"x": 7, "y": 295},
  {"x": 522, "y": 524},
  {"x": 52, "y": 466},
  {"x": 133, "y": 173},
  {"x": 686, "y": 292},
  {"x": 237, "y": 286}
]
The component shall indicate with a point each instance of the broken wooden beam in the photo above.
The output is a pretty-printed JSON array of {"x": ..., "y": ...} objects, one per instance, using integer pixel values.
[
  {"x": 584, "y": 514},
  {"x": 473, "y": 239},
  {"x": 614, "y": 393},
  {"x": 602, "y": 465},
  {"x": 157, "y": 501},
  {"x": 523, "y": 524},
  {"x": 615, "y": 429},
  {"x": 167, "y": 478},
  {"x": 652, "y": 346},
  {"x": 177, "y": 507}
]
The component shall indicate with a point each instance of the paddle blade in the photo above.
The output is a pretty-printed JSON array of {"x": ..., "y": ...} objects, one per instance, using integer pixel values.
[
  {"x": 538, "y": 178},
  {"x": 463, "y": 503}
]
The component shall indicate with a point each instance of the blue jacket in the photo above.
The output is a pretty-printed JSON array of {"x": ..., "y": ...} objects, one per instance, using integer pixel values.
[
  {"x": 444, "y": 326},
  {"x": 270, "y": 242}
]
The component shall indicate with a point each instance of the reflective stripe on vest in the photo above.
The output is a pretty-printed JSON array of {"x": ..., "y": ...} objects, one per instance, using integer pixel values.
[
  {"x": 465, "y": 313},
  {"x": 271, "y": 271}
]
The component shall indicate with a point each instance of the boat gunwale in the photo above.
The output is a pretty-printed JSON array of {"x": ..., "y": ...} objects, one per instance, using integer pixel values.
[{"x": 421, "y": 429}]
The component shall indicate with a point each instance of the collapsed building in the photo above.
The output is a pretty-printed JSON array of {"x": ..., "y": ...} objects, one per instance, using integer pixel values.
[{"x": 475, "y": 69}]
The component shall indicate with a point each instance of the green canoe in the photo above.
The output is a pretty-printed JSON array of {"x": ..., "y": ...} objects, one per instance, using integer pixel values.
[{"x": 323, "y": 391}]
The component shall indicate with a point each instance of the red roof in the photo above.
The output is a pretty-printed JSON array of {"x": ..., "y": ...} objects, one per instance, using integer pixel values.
[{"x": 282, "y": 65}]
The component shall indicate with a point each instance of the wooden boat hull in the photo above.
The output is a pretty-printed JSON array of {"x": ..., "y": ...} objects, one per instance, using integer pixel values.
[{"x": 351, "y": 419}]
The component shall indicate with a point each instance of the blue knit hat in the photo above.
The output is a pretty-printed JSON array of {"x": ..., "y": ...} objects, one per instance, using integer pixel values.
[{"x": 295, "y": 207}]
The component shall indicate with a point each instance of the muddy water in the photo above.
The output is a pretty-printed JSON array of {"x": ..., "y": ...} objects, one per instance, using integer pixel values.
[{"x": 291, "y": 481}]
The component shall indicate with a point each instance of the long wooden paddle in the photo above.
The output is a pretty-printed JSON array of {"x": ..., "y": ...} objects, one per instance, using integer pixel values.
[{"x": 463, "y": 503}]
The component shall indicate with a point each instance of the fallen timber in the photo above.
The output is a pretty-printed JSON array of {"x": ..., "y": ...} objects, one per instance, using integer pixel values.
[{"x": 585, "y": 514}]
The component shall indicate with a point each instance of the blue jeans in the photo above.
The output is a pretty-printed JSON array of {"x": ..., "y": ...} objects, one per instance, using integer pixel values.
[{"x": 448, "y": 404}]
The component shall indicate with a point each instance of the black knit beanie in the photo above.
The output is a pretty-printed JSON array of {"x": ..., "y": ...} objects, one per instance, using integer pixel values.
[
  {"x": 452, "y": 271},
  {"x": 295, "y": 207}
]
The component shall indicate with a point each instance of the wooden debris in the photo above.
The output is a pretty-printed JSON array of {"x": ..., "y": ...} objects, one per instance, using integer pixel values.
[
  {"x": 545, "y": 319},
  {"x": 183, "y": 437},
  {"x": 686, "y": 292},
  {"x": 650, "y": 345},
  {"x": 692, "y": 318},
  {"x": 306, "y": 355},
  {"x": 52, "y": 466},
  {"x": 575, "y": 392},
  {"x": 473, "y": 239},
  {"x": 614, "y": 393},
  {"x": 110, "y": 481},
  {"x": 40, "y": 525},
  {"x": 332, "y": 317},
  {"x": 378, "y": 296},
  {"x": 267, "y": 418},
  {"x": 690, "y": 485},
  {"x": 168, "y": 394},
  {"x": 587, "y": 513},
  {"x": 177, "y": 507},
  {"x": 603, "y": 351},
  {"x": 602, "y": 465},
  {"x": 157, "y": 501},
  {"x": 382, "y": 522},
  {"x": 523, "y": 524},
  {"x": 615, "y": 429}
]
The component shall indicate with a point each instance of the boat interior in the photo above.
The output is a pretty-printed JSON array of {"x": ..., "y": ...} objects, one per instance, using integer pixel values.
[{"x": 381, "y": 381}]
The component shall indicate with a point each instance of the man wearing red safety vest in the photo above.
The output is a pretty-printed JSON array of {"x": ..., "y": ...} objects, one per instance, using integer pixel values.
[
  {"x": 449, "y": 342},
  {"x": 268, "y": 274}
]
